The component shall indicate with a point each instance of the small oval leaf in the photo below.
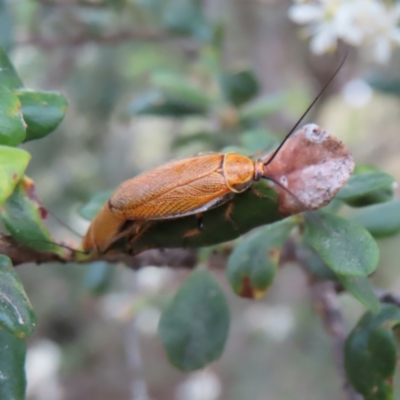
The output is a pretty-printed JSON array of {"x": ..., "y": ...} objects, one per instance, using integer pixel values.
[
  {"x": 262, "y": 107},
  {"x": 7, "y": 25},
  {"x": 256, "y": 139},
  {"x": 254, "y": 261},
  {"x": 13, "y": 163},
  {"x": 8, "y": 76},
  {"x": 367, "y": 186},
  {"x": 209, "y": 140},
  {"x": 155, "y": 102},
  {"x": 180, "y": 89},
  {"x": 186, "y": 17},
  {"x": 42, "y": 111},
  {"x": 370, "y": 354},
  {"x": 194, "y": 326},
  {"x": 360, "y": 287},
  {"x": 99, "y": 277},
  {"x": 12, "y": 367},
  {"x": 12, "y": 125},
  {"x": 381, "y": 220},
  {"x": 314, "y": 264},
  {"x": 346, "y": 247},
  {"x": 23, "y": 216},
  {"x": 239, "y": 87},
  {"x": 16, "y": 313}
]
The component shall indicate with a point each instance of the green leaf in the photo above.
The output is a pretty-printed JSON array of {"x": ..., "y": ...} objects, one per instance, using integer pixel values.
[
  {"x": 16, "y": 313},
  {"x": 8, "y": 76},
  {"x": 12, "y": 367},
  {"x": 23, "y": 216},
  {"x": 258, "y": 140},
  {"x": 99, "y": 277},
  {"x": 194, "y": 326},
  {"x": 239, "y": 87},
  {"x": 157, "y": 103},
  {"x": 90, "y": 209},
  {"x": 213, "y": 140},
  {"x": 153, "y": 6},
  {"x": 315, "y": 266},
  {"x": 386, "y": 85},
  {"x": 12, "y": 125},
  {"x": 180, "y": 89},
  {"x": 381, "y": 220},
  {"x": 367, "y": 186},
  {"x": 346, "y": 247},
  {"x": 6, "y": 26},
  {"x": 218, "y": 36},
  {"x": 360, "y": 287},
  {"x": 370, "y": 354},
  {"x": 262, "y": 107},
  {"x": 42, "y": 111},
  {"x": 334, "y": 206},
  {"x": 13, "y": 163},
  {"x": 254, "y": 261},
  {"x": 186, "y": 17}
]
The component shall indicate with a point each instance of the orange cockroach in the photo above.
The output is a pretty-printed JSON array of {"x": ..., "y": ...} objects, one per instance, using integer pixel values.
[{"x": 189, "y": 187}]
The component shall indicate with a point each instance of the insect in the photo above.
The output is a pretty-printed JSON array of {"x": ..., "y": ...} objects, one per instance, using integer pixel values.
[{"x": 194, "y": 185}]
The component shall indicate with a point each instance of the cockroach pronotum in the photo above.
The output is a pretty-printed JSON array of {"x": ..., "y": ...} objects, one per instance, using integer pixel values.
[{"x": 194, "y": 185}]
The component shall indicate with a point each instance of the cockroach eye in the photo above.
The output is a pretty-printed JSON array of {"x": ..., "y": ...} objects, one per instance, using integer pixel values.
[{"x": 315, "y": 134}]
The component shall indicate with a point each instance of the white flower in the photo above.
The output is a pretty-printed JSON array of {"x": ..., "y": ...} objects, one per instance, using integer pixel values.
[
  {"x": 357, "y": 93},
  {"x": 319, "y": 15},
  {"x": 306, "y": 13},
  {"x": 42, "y": 369},
  {"x": 202, "y": 385},
  {"x": 275, "y": 322},
  {"x": 358, "y": 20},
  {"x": 368, "y": 23},
  {"x": 324, "y": 39},
  {"x": 387, "y": 36}
]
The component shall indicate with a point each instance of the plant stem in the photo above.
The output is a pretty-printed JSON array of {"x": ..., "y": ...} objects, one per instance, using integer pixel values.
[{"x": 326, "y": 303}]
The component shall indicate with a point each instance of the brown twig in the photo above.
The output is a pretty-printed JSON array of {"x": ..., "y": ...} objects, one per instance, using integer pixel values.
[
  {"x": 21, "y": 254},
  {"x": 387, "y": 297},
  {"x": 84, "y": 38},
  {"x": 326, "y": 303}
]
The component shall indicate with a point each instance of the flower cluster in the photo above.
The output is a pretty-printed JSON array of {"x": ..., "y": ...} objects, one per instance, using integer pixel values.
[{"x": 369, "y": 23}]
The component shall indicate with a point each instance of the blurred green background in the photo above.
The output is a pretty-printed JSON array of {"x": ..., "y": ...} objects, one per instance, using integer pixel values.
[{"x": 119, "y": 62}]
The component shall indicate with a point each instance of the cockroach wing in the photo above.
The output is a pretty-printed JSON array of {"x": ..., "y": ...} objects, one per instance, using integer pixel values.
[
  {"x": 312, "y": 165},
  {"x": 173, "y": 190}
]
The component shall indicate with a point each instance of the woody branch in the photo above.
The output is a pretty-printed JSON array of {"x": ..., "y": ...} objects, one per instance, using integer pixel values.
[
  {"x": 324, "y": 295},
  {"x": 84, "y": 38},
  {"x": 21, "y": 254}
]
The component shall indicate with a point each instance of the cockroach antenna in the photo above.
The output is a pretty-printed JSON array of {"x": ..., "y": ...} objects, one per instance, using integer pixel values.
[
  {"x": 65, "y": 225},
  {"x": 274, "y": 154},
  {"x": 64, "y": 246}
]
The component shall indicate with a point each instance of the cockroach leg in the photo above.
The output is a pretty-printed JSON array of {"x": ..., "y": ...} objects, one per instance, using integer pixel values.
[
  {"x": 259, "y": 194},
  {"x": 191, "y": 232},
  {"x": 195, "y": 231},
  {"x": 139, "y": 230},
  {"x": 228, "y": 212},
  {"x": 256, "y": 192},
  {"x": 126, "y": 226},
  {"x": 228, "y": 215}
]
